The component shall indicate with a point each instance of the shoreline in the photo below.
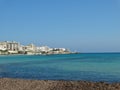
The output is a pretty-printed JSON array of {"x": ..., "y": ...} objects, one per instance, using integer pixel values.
[{"x": 23, "y": 84}]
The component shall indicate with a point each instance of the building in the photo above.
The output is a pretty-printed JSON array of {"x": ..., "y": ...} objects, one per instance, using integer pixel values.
[
  {"x": 3, "y": 46},
  {"x": 43, "y": 49},
  {"x": 13, "y": 46},
  {"x": 30, "y": 49},
  {"x": 9, "y": 47}
]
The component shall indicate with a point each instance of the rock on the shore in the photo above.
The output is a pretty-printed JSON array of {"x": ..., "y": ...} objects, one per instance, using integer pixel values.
[{"x": 19, "y": 84}]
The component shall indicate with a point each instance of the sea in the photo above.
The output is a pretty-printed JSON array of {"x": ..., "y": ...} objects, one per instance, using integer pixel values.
[{"x": 84, "y": 66}]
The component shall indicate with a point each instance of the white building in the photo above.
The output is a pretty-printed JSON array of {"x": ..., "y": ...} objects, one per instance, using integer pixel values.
[
  {"x": 10, "y": 47},
  {"x": 43, "y": 49},
  {"x": 30, "y": 49},
  {"x": 13, "y": 46},
  {"x": 3, "y": 46}
]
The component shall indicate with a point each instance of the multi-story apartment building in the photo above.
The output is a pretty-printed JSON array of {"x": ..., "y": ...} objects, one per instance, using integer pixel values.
[
  {"x": 13, "y": 46},
  {"x": 10, "y": 47}
]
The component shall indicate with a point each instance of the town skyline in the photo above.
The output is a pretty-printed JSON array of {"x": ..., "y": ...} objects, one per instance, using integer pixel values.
[
  {"x": 13, "y": 47},
  {"x": 82, "y": 25}
]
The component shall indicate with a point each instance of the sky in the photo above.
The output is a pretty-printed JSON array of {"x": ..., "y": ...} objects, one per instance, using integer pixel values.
[{"x": 80, "y": 25}]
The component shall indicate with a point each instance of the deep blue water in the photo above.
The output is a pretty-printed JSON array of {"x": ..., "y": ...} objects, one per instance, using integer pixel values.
[{"x": 90, "y": 67}]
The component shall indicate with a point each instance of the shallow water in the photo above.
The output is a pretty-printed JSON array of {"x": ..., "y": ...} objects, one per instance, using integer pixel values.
[{"x": 91, "y": 67}]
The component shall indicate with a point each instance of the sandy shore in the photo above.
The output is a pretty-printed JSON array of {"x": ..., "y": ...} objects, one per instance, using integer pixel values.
[{"x": 19, "y": 84}]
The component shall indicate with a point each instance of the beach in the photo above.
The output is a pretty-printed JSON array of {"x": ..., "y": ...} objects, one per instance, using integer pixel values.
[{"x": 21, "y": 84}]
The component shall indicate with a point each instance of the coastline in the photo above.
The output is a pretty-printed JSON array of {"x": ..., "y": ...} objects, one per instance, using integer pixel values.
[{"x": 22, "y": 84}]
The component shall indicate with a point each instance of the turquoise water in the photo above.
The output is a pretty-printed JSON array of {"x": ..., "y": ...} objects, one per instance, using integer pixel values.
[{"x": 91, "y": 67}]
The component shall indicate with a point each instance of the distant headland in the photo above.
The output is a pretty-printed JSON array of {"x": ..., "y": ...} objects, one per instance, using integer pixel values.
[{"x": 13, "y": 47}]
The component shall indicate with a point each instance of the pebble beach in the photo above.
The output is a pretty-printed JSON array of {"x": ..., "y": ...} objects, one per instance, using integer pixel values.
[{"x": 21, "y": 84}]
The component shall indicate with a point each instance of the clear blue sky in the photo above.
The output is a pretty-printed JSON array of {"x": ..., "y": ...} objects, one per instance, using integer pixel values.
[{"x": 83, "y": 25}]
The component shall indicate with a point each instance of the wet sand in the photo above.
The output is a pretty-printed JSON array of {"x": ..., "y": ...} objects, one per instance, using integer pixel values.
[{"x": 20, "y": 84}]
